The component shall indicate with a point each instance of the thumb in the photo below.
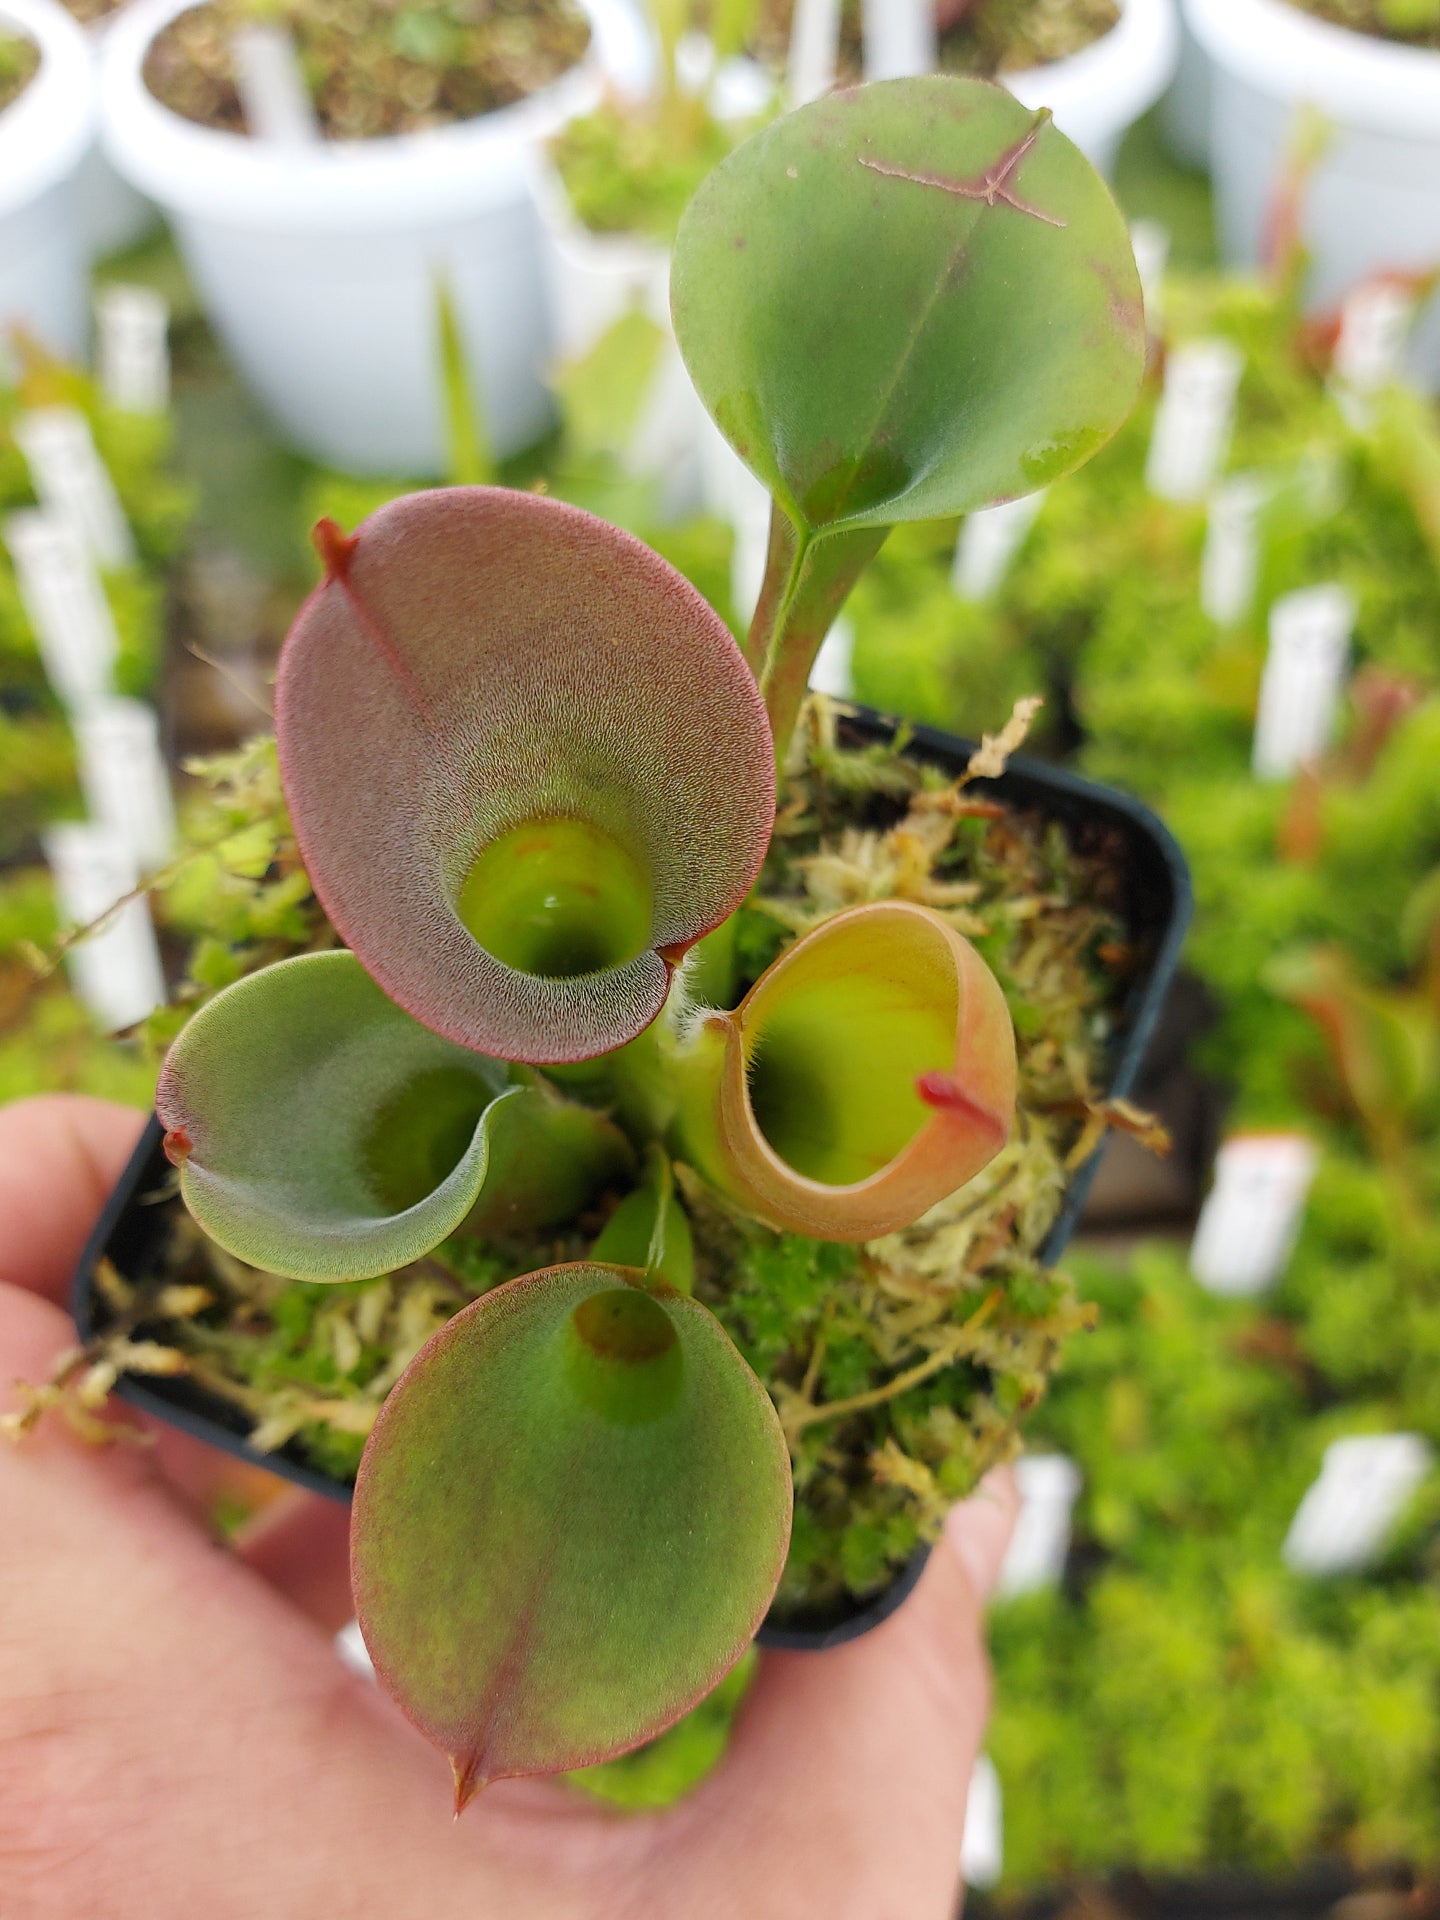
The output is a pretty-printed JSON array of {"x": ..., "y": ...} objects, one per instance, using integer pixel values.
[{"x": 849, "y": 1770}]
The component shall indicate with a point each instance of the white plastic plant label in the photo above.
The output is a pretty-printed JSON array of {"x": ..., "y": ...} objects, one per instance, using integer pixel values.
[
  {"x": 1150, "y": 242},
  {"x": 1230, "y": 564},
  {"x": 64, "y": 603},
  {"x": 273, "y": 95},
  {"x": 899, "y": 38},
  {"x": 1251, "y": 1216},
  {"x": 1194, "y": 420},
  {"x": 1305, "y": 669},
  {"x": 71, "y": 480},
  {"x": 134, "y": 357},
  {"x": 982, "y": 1849},
  {"x": 1365, "y": 1484},
  {"x": 989, "y": 541},
  {"x": 1375, "y": 323},
  {"x": 1049, "y": 1484},
  {"x": 814, "y": 50},
  {"x": 352, "y": 1651},
  {"x": 123, "y": 777},
  {"x": 115, "y": 970},
  {"x": 833, "y": 671}
]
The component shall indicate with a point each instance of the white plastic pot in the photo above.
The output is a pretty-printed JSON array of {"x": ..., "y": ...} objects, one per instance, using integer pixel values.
[
  {"x": 1373, "y": 201},
  {"x": 43, "y": 137},
  {"x": 1099, "y": 92},
  {"x": 595, "y": 279},
  {"x": 1185, "y": 110},
  {"x": 321, "y": 269}
]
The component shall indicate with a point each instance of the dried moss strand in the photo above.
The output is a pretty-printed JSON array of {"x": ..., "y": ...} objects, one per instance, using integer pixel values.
[{"x": 797, "y": 1418}]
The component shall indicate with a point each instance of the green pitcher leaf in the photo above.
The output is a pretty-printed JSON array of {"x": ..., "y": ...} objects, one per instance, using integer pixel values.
[
  {"x": 323, "y": 1134},
  {"x": 649, "y": 1230},
  {"x": 569, "y": 1521},
  {"x": 868, "y": 1073},
  {"x": 907, "y": 300},
  {"x": 527, "y": 765}
]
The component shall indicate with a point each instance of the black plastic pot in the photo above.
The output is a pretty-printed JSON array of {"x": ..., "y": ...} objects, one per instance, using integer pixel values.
[{"x": 1157, "y": 902}]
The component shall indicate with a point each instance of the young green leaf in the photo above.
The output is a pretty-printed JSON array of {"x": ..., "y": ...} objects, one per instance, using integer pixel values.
[
  {"x": 907, "y": 300},
  {"x": 649, "y": 1230},
  {"x": 323, "y": 1134},
  {"x": 569, "y": 1520},
  {"x": 866, "y": 1075},
  {"x": 527, "y": 767},
  {"x": 904, "y": 300}
]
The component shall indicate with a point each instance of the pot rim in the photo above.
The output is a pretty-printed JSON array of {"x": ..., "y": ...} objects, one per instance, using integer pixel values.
[
  {"x": 399, "y": 180},
  {"x": 1358, "y": 79},
  {"x": 1116, "y": 77},
  {"x": 46, "y": 130}
]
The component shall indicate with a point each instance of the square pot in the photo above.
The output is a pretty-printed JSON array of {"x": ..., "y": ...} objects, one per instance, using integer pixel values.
[{"x": 1156, "y": 910}]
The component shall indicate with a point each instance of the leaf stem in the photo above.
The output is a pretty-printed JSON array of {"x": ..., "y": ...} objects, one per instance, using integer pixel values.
[
  {"x": 780, "y": 562},
  {"x": 808, "y": 578}
]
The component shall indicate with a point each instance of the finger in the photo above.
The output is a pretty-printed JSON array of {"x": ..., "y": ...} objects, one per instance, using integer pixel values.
[
  {"x": 301, "y": 1546},
  {"x": 60, "y": 1155},
  {"x": 160, "y": 1708},
  {"x": 838, "y": 1755}
]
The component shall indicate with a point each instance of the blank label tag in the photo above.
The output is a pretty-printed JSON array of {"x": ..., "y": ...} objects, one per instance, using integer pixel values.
[
  {"x": 116, "y": 970},
  {"x": 1193, "y": 421},
  {"x": 273, "y": 95},
  {"x": 1230, "y": 566},
  {"x": 833, "y": 671},
  {"x": 1049, "y": 1484},
  {"x": 814, "y": 50},
  {"x": 1150, "y": 243},
  {"x": 989, "y": 541},
  {"x": 64, "y": 603},
  {"x": 1250, "y": 1219},
  {"x": 1365, "y": 1484},
  {"x": 70, "y": 480},
  {"x": 982, "y": 1850},
  {"x": 899, "y": 38},
  {"x": 134, "y": 358},
  {"x": 1305, "y": 671},
  {"x": 350, "y": 1645},
  {"x": 1375, "y": 325},
  {"x": 124, "y": 779}
]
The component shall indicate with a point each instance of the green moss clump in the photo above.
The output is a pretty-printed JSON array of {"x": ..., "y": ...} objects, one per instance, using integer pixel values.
[
  {"x": 632, "y": 169},
  {"x": 1186, "y": 1702}
]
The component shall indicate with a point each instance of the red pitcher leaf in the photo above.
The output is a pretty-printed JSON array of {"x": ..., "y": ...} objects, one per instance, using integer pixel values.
[
  {"x": 527, "y": 765},
  {"x": 569, "y": 1521},
  {"x": 866, "y": 1075},
  {"x": 323, "y": 1134}
]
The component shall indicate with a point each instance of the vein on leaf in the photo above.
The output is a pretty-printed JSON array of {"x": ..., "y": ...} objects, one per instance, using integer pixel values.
[{"x": 993, "y": 186}]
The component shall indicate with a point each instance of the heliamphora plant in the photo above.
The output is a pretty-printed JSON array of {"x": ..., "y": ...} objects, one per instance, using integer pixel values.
[{"x": 533, "y": 777}]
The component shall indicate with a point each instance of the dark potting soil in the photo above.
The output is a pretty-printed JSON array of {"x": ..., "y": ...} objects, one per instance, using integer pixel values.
[
  {"x": 983, "y": 37},
  {"x": 374, "y": 67},
  {"x": 1414, "y": 23}
]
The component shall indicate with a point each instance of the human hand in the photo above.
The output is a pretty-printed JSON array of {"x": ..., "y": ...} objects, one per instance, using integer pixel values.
[{"x": 179, "y": 1739}]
